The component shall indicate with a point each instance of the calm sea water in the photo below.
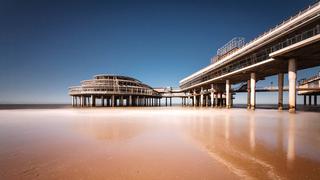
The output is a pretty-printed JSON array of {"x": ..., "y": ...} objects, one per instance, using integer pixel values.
[{"x": 158, "y": 143}]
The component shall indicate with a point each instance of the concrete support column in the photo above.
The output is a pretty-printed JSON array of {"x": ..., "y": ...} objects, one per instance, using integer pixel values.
[
  {"x": 194, "y": 98},
  {"x": 292, "y": 76},
  {"x": 72, "y": 101},
  {"x": 212, "y": 95},
  {"x": 102, "y": 101},
  {"x": 228, "y": 97},
  {"x": 142, "y": 101},
  {"x": 207, "y": 100},
  {"x": 107, "y": 102},
  {"x": 304, "y": 100},
  {"x": 189, "y": 103},
  {"x": 130, "y": 100},
  {"x": 216, "y": 99},
  {"x": 75, "y": 103},
  {"x": 315, "y": 100},
  {"x": 201, "y": 97},
  {"x": 112, "y": 101},
  {"x": 212, "y": 98},
  {"x": 170, "y": 101},
  {"x": 280, "y": 91},
  {"x": 91, "y": 104},
  {"x": 121, "y": 101},
  {"x": 253, "y": 91},
  {"x": 84, "y": 101},
  {"x": 248, "y": 94},
  {"x": 310, "y": 103}
]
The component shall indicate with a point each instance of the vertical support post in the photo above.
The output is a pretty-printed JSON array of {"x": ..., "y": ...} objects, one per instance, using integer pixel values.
[
  {"x": 72, "y": 101},
  {"x": 189, "y": 103},
  {"x": 217, "y": 99},
  {"x": 207, "y": 99},
  {"x": 292, "y": 76},
  {"x": 315, "y": 100},
  {"x": 85, "y": 101},
  {"x": 248, "y": 94},
  {"x": 170, "y": 101},
  {"x": 280, "y": 91},
  {"x": 75, "y": 101},
  {"x": 102, "y": 101},
  {"x": 91, "y": 104},
  {"x": 201, "y": 97},
  {"x": 166, "y": 101},
  {"x": 304, "y": 99},
  {"x": 121, "y": 101},
  {"x": 130, "y": 100},
  {"x": 253, "y": 91},
  {"x": 107, "y": 101},
  {"x": 194, "y": 98},
  {"x": 212, "y": 95},
  {"x": 112, "y": 101},
  {"x": 310, "y": 103},
  {"x": 228, "y": 101}
]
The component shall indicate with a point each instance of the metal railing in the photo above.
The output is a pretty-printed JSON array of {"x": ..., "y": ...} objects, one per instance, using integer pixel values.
[
  {"x": 312, "y": 78},
  {"x": 112, "y": 90}
]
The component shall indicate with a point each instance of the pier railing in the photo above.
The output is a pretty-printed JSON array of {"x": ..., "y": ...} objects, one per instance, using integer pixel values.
[
  {"x": 312, "y": 78},
  {"x": 78, "y": 90}
]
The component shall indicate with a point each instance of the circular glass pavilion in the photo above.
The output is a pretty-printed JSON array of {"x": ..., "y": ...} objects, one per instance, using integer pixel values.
[{"x": 113, "y": 90}]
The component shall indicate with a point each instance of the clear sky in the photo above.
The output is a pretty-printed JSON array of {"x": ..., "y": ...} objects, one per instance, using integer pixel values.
[{"x": 46, "y": 46}]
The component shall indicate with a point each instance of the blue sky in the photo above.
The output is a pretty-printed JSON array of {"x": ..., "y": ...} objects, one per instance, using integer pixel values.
[{"x": 46, "y": 46}]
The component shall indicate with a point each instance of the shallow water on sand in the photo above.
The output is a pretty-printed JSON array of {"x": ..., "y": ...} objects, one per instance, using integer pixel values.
[{"x": 158, "y": 143}]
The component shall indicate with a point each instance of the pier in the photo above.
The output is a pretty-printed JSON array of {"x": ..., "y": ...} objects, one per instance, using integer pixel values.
[{"x": 290, "y": 46}]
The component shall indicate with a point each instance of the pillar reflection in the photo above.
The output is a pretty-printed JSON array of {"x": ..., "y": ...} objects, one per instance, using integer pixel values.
[
  {"x": 252, "y": 135},
  {"x": 291, "y": 140}
]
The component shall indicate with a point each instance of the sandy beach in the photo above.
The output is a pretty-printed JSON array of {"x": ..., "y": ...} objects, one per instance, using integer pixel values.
[{"x": 158, "y": 143}]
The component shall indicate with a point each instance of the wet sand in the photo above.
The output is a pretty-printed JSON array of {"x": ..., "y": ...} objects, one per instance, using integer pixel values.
[{"x": 158, "y": 143}]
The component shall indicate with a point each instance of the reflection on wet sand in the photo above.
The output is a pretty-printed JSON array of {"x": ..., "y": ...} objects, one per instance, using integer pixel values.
[
  {"x": 252, "y": 133},
  {"x": 263, "y": 157},
  {"x": 291, "y": 148}
]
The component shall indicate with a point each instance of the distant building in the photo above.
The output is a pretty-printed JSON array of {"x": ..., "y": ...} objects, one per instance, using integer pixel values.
[{"x": 113, "y": 90}]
